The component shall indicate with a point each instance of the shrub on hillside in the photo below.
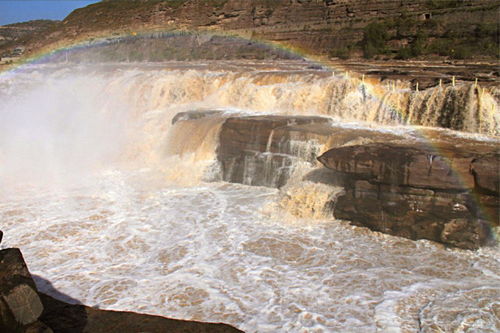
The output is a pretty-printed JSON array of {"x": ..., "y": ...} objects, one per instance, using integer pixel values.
[{"x": 374, "y": 39}]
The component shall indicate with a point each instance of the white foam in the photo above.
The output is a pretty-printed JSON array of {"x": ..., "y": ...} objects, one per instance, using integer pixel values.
[{"x": 126, "y": 237}]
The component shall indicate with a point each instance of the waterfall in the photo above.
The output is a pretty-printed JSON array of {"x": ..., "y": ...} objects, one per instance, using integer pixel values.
[
  {"x": 86, "y": 116},
  {"x": 143, "y": 203}
]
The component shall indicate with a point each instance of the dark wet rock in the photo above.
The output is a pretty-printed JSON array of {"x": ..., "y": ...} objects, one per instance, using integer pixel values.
[
  {"x": 20, "y": 305},
  {"x": 38, "y": 327},
  {"x": 64, "y": 317},
  {"x": 195, "y": 115},
  {"x": 410, "y": 213},
  {"x": 417, "y": 166},
  {"x": 265, "y": 150},
  {"x": 486, "y": 173},
  {"x": 441, "y": 193},
  {"x": 24, "y": 310},
  {"x": 24, "y": 303},
  {"x": 262, "y": 150}
]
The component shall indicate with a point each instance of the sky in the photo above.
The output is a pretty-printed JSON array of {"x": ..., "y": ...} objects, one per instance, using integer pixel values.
[{"x": 13, "y": 11}]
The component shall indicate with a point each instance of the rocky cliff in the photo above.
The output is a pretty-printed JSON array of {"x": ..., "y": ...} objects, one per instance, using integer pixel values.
[
  {"x": 21, "y": 32},
  {"x": 319, "y": 26}
]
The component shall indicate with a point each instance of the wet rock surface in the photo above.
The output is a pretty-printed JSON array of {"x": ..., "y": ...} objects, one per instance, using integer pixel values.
[
  {"x": 24, "y": 309},
  {"x": 64, "y": 317},
  {"x": 426, "y": 184},
  {"x": 442, "y": 193},
  {"x": 262, "y": 150}
]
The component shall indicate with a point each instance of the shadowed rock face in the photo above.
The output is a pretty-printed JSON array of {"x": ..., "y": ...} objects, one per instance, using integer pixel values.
[
  {"x": 448, "y": 194},
  {"x": 20, "y": 305},
  {"x": 23, "y": 309},
  {"x": 64, "y": 317}
]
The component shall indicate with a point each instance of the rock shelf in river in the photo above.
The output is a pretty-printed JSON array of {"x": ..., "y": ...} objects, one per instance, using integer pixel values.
[
  {"x": 423, "y": 184},
  {"x": 441, "y": 193}
]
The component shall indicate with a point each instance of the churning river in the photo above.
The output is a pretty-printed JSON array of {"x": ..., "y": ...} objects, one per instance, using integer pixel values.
[{"x": 117, "y": 212}]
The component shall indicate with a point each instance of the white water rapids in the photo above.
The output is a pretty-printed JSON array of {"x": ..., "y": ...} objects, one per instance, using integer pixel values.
[{"x": 91, "y": 193}]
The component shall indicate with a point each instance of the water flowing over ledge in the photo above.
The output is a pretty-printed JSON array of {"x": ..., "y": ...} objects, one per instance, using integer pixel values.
[
  {"x": 110, "y": 201},
  {"x": 444, "y": 190}
]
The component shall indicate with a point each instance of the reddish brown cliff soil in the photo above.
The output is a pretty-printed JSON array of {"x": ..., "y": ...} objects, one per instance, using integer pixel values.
[
  {"x": 420, "y": 29},
  {"x": 317, "y": 26}
]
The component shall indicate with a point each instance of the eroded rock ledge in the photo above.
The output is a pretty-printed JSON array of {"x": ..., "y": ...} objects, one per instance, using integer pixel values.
[
  {"x": 24, "y": 309},
  {"x": 428, "y": 184},
  {"x": 442, "y": 193}
]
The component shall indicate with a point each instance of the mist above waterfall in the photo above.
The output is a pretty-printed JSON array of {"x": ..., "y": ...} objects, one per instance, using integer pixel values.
[{"x": 59, "y": 127}]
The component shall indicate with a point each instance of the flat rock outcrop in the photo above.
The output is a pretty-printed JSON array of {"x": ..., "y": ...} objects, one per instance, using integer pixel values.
[
  {"x": 24, "y": 310},
  {"x": 64, "y": 317},
  {"x": 442, "y": 193},
  {"x": 265, "y": 150}
]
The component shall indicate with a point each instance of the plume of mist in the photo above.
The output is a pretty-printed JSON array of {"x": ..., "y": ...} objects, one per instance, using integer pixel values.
[{"x": 58, "y": 129}]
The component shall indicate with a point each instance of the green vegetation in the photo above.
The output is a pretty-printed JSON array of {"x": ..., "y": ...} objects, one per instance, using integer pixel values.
[
  {"x": 408, "y": 37},
  {"x": 341, "y": 52},
  {"x": 415, "y": 49},
  {"x": 374, "y": 39},
  {"x": 218, "y": 4},
  {"x": 441, "y": 4}
]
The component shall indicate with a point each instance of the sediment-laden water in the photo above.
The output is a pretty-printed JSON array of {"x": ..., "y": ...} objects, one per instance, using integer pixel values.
[{"x": 120, "y": 209}]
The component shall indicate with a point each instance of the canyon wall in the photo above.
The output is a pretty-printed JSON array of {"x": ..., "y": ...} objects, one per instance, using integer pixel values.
[{"x": 318, "y": 26}]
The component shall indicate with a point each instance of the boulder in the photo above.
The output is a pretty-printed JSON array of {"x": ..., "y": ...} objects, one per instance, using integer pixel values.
[
  {"x": 20, "y": 305},
  {"x": 442, "y": 193}
]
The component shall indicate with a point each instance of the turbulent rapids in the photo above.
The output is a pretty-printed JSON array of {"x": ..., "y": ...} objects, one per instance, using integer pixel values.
[{"x": 114, "y": 183}]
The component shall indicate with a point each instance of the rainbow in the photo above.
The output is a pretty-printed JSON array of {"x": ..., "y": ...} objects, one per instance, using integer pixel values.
[{"x": 370, "y": 85}]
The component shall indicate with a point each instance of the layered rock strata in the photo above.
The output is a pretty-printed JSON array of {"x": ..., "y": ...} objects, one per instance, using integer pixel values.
[
  {"x": 23, "y": 309},
  {"x": 428, "y": 184},
  {"x": 264, "y": 150},
  {"x": 446, "y": 194},
  {"x": 319, "y": 25}
]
